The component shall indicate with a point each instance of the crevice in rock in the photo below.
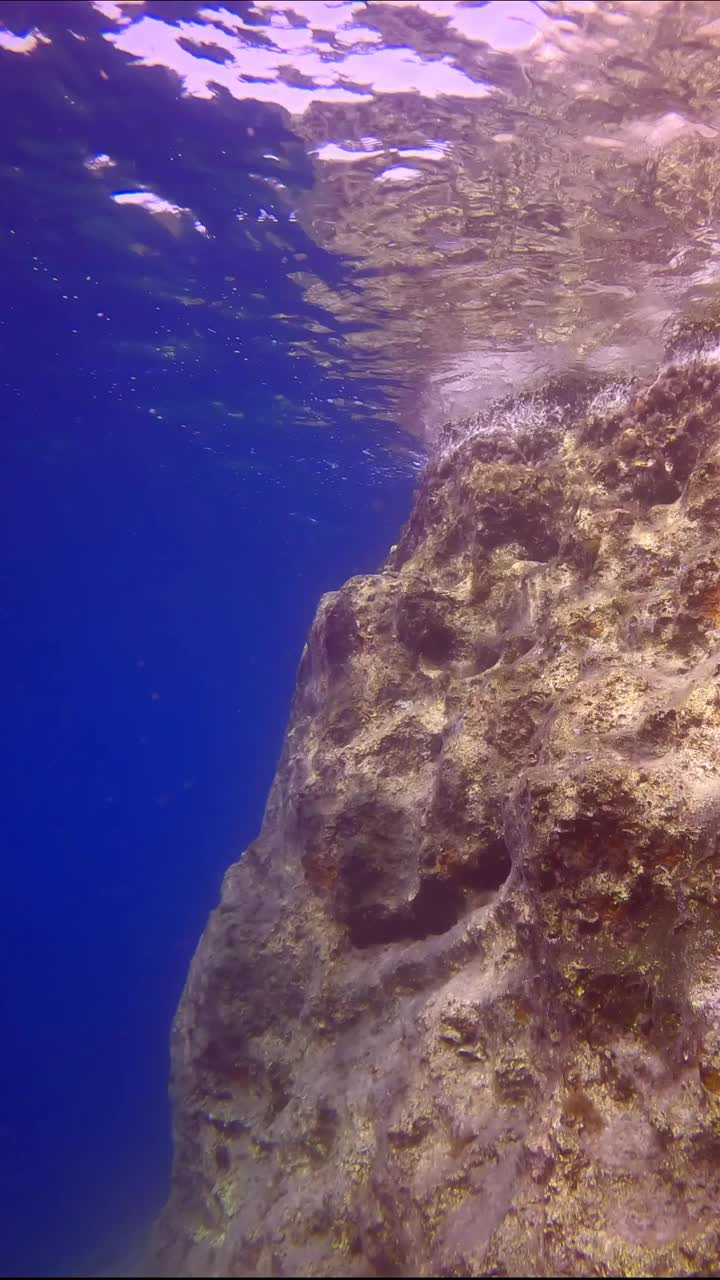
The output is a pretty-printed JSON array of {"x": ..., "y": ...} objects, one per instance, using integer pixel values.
[
  {"x": 491, "y": 872},
  {"x": 424, "y": 632},
  {"x": 436, "y": 907},
  {"x": 486, "y": 655}
]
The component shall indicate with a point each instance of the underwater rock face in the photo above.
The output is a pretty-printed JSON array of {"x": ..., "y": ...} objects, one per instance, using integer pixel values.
[{"x": 458, "y": 1011}]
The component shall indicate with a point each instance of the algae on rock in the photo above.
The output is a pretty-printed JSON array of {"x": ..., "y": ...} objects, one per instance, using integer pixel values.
[{"x": 458, "y": 1011}]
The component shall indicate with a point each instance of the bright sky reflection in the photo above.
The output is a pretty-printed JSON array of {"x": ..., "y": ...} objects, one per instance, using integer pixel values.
[
  {"x": 21, "y": 44},
  {"x": 333, "y": 51},
  {"x": 153, "y": 203}
]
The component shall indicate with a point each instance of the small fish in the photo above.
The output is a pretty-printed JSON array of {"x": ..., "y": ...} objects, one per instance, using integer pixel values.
[{"x": 299, "y": 516}]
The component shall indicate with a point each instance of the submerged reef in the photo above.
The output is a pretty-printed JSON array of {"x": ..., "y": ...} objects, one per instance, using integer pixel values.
[{"x": 458, "y": 1011}]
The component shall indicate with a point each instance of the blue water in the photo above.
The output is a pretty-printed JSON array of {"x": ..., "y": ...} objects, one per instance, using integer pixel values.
[{"x": 164, "y": 560}]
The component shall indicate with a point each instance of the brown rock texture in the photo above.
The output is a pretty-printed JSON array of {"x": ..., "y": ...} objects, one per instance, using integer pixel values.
[{"x": 458, "y": 1011}]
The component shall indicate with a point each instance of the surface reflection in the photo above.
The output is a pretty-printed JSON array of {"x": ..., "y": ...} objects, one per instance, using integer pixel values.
[{"x": 511, "y": 188}]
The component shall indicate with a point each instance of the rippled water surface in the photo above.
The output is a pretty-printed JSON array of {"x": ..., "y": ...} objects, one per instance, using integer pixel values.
[{"x": 459, "y": 197}]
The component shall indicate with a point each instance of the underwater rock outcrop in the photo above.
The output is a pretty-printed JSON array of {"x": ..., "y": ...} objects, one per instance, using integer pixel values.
[{"x": 458, "y": 1012}]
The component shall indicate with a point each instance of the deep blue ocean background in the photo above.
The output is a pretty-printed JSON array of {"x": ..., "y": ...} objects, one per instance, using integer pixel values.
[{"x": 163, "y": 562}]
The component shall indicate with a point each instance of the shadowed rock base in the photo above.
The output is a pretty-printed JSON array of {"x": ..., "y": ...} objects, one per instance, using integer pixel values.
[{"x": 458, "y": 1012}]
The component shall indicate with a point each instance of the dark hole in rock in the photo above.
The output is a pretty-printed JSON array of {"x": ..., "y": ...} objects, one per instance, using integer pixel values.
[
  {"x": 641, "y": 898},
  {"x": 541, "y": 546},
  {"x": 435, "y": 642},
  {"x": 517, "y": 646},
  {"x": 617, "y": 999},
  {"x": 226, "y": 1055},
  {"x": 326, "y": 1126},
  {"x": 682, "y": 455},
  {"x": 668, "y": 491},
  {"x": 492, "y": 868},
  {"x": 546, "y": 878},
  {"x": 423, "y": 630},
  {"x": 589, "y": 923},
  {"x": 359, "y": 872},
  {"x": 487, "y": 653},
  {"x": 656, "y": 486},
  {"x": 222, "y": 1158},
  {"x": 435, "y": 908}
]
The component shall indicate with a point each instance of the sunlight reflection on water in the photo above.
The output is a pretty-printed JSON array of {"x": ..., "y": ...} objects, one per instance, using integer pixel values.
[{"x": 519, "y": 186}]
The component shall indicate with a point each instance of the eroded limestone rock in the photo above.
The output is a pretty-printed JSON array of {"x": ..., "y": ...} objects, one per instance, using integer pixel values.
[{"x": 459, "y": 1009}]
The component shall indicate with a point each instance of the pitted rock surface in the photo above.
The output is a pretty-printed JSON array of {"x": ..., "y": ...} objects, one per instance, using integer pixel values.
[{"x": 458, "y": 1011}]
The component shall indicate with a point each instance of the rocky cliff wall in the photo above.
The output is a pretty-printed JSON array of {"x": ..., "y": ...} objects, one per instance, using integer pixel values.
[{"x": 458, "y": 1011}]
